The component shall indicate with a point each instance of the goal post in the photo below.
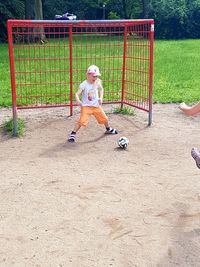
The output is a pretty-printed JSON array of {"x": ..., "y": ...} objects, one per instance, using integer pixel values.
[{"x": 49, "y": 59}]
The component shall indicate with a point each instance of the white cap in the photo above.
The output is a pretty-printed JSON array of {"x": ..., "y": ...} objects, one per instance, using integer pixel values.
[{"x": 94, "y": 70}]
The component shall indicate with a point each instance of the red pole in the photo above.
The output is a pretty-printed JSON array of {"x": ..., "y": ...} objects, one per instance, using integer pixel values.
[
  {"x": 12, "y": 75},
  {"x": 71, "y": 68},
  {"x": 151, "y": 71},
  {"x": 123, "y": 67}
]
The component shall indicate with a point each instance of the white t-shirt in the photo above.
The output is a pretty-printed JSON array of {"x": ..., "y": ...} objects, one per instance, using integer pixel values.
[{"x": 90, "y": 93}]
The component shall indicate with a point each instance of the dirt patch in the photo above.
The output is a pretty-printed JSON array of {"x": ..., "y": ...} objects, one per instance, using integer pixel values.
[{"x": 91, "y": 204}]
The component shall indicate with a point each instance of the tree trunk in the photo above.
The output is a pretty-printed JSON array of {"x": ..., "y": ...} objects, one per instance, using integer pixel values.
[
  {"x": 38, "y": 9},
  {"x": 39, "y": 16},
  {"x": 33, "y": 10}
]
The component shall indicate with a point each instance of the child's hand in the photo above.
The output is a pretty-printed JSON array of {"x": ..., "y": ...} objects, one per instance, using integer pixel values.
[{"x": 100, "y": 101}]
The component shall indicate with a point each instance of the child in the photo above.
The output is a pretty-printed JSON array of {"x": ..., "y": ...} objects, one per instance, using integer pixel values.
[
  {"x": 91, "y": 91},
  {"x": 196, "y": 156},
  {"x": 190, "y": 111}
]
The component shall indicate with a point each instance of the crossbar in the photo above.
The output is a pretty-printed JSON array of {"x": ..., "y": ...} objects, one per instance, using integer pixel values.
[{"x": 49, "y": 58}]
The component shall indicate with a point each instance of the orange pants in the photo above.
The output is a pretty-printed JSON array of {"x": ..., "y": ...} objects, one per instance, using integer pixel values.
[{"x": 97, "y": 112}]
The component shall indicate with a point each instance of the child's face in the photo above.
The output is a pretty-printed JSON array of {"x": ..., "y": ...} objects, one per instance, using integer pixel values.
[{"x": 91, "y": 78}]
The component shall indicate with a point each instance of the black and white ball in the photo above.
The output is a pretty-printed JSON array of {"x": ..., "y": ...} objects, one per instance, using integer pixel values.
[{"x": 123, "y": 142}]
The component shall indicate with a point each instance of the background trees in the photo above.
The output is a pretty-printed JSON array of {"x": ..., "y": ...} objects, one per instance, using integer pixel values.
[
  {"x": 174, "y": 19},
  {"x": 33, "y": 9},
  {"x": 10, "y": 9}
]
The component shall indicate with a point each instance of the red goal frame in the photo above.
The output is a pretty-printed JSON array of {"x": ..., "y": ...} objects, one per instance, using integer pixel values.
[{"x": 48, "y": 60}]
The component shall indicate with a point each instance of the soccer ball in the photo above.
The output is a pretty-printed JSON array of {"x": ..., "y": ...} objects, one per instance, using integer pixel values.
[{"x": 123, "y": 142}]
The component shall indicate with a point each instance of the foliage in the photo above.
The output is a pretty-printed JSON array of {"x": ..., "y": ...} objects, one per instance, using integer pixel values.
[
  {"x": 174, "y": 19},
  {"x": 52, "y": 8},
  {"x": 113, "y": 15},
  {"x": 8, "y": 127},
  {"x": 87, "y": 9},
  {"x": 174, "y": 12},
  {"x": 10, "y": 9},
  {"x": 193, "y": 19},
  {"x": 125, "y": 9}
]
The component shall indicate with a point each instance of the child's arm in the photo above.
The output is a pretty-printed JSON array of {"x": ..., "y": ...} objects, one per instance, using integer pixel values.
[
  {"x": 78, "y": 93},
  {"x": 101, "y": 92}
]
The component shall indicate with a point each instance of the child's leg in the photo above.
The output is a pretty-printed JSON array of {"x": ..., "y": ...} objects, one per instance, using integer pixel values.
[
  {"x": 110, "y": 130},
  {"x": 83, "y": 121},
  {"x": 103, "y": 119},
  {"x": 190, "y": 111},
  {"x": 72, "y": 136},
  {"x": 77, "y": 127},
  {"x": 196, "y": 156}
]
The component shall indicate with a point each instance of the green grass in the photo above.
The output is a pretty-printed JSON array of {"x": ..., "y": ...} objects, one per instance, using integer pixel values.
[
  {"x": 8, "y": 127},
  {"x": 125, "y": 110},
  {"x": 5, "y": 85},
  {"x": 176, "y": 71}
]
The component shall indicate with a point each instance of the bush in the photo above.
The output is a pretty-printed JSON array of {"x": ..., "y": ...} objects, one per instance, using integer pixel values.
[{"x": 113, "y": 15}]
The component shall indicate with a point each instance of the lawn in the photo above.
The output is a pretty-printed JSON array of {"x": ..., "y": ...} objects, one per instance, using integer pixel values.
[
  {"x": 5, "y": 86},
  {"x": 176, "y": 71}
]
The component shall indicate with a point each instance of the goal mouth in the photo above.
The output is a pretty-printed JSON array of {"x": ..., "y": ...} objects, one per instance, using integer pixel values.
[{"x": 49, "y": 59}]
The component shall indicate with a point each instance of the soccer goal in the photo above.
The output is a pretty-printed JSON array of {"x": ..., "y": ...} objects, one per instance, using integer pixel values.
[{"x": 49, "y": 59}]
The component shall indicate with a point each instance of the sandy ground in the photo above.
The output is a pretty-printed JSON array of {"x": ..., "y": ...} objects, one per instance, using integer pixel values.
[{"x": 90, "y": 204}]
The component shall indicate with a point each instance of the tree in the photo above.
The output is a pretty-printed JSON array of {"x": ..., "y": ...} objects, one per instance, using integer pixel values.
[
  {"x": 126, "y": 9},
  {"x": 55, "y": 7},
  {"x": 169, "y": 18},
  {"x": 29, "y": 9},
  {"x": 174, "y": 19},
  {"x": 145, "y": 9},
  {"x": 38, "y": 9},
  {"x": 10, "y": 9},
  {"x": 192, "y": 22},
  {"x": 33, "y": 10},
  {"x": 87, "y": 9}
]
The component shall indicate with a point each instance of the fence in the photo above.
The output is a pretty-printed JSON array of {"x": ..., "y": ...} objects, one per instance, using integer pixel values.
[{"x": 48, "y": 60}]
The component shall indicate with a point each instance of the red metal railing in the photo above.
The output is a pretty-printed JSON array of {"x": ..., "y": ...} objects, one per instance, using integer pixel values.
[{"x": 48, "y": 61}]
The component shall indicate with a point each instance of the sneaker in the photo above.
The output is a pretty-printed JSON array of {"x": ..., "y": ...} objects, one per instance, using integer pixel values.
[
  {"x": 196, "y": 156},
  {"x": 111, "y": 131},
  {"x": 72, "y": 137}
]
